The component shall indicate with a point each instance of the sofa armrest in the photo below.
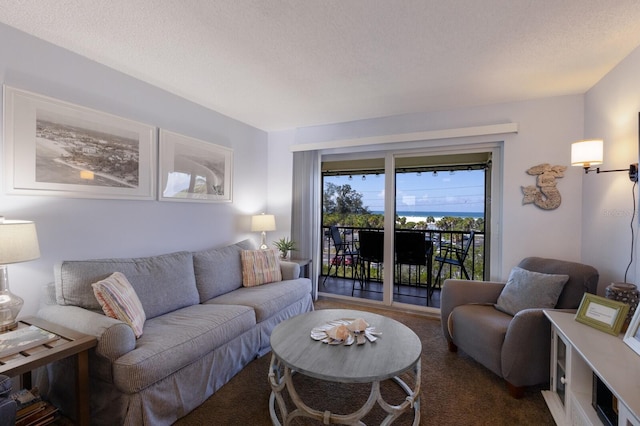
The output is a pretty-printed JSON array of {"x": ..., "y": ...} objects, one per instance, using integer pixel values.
[
  {"x": 290, "y": 270},
  {"x": 462, "y": 292},
  {"x": 115, "y": 338}
]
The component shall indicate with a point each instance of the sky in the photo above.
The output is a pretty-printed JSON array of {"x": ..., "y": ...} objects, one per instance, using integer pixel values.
[{"x": 460, "y": 191}]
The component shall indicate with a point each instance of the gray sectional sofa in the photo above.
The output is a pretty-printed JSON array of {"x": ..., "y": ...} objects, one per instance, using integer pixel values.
[{"x": 202, "y": 327}]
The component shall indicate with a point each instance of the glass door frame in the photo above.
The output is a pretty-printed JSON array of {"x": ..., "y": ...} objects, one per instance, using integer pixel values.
[{"x": 492, "y": 223}]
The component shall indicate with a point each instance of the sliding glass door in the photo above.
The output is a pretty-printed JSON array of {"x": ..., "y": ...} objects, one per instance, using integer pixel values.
[
  {"x": 440, "y": 209},
  {"x": 352, "y": 209},
  {"x": 429, "y": 205}
]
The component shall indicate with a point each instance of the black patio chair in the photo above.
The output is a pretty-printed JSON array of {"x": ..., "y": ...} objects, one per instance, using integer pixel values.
[
  {"x": 413, "y": 249},
  {"x": 454, "y": 255},
  {"x": 345, "y": 253},
  {"x": 371, "y": 250}
]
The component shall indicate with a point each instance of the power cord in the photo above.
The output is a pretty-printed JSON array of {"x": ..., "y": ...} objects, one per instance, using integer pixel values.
[{"x": 633, "y": 195}]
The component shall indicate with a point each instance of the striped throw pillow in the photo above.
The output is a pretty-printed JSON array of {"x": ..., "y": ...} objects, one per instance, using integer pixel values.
[
  {"x": 119, "y": 300},
  {"x": 260, "y": 267}
]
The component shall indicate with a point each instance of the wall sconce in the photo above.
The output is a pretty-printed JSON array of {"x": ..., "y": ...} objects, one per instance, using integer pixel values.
[
  {"x": 589, "y": 153},
  {"x": 18, "y": 243},
  {"x": 263, "y": 223}
]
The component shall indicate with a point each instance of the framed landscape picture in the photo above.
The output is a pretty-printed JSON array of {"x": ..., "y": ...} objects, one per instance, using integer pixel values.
[
  {"x": 53, "y": 147},
  {"x": 193, "y": 170}
]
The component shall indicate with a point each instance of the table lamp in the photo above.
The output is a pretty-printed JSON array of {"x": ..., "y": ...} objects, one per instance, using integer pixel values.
[
  {"x": 263, "y": 223},
  {"x": 18, "y": 243}
]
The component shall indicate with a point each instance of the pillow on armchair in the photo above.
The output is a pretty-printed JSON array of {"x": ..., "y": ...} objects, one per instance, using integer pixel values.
[{"x": 527, "y": 289}]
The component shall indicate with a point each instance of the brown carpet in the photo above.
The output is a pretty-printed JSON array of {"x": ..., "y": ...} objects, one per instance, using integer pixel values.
[{"x": 456, "y": 390}]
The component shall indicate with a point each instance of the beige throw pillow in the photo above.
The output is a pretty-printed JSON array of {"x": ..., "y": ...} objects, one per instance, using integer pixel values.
[
  {"x": 260, "y": 267},
  {"x": 119, "y": 300}
]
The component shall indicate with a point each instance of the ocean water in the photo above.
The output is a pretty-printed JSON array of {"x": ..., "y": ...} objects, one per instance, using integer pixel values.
[{"x": 436, "y": 215}]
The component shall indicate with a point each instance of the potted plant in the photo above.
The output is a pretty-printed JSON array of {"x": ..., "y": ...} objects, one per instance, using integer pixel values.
[{"x": 285, "y": 245}]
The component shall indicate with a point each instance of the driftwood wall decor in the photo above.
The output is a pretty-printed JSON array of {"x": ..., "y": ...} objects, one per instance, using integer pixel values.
[{"x": 544, "y": 193}]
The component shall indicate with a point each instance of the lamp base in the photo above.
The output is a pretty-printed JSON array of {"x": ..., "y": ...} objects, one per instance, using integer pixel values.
[
  {"x": 626, "y": 293},
  {"x": 8, "y": 327},
  {"x": 10, "y": 304},
  {"x": 263, "y": 241}
]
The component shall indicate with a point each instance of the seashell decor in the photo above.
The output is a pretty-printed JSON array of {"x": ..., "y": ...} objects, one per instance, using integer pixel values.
[
  {"x": 339, "y": 332},
  {"x": 345, "y": 331}
]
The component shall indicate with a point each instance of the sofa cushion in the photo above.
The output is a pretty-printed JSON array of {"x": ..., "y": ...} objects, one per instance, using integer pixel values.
[
  {"x": 219, "y": 270},
  {"x": 527, "y": 289},
  {"x": 119, "y": 300},
  {"x": 260, "y": 267},
  {"x": 163, "y": 283},
  {"x": 268, "y": 299},
  {"x": 172, "y": 341}
]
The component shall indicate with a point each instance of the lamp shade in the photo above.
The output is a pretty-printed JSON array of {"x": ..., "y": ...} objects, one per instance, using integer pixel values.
[
  {"x": 587, "y": 153},
  {"x": 18, "y": 241},
  {"x": 263, "y": 223}
]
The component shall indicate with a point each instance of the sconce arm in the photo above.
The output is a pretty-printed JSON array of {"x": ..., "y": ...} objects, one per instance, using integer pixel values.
[{"x": 633, "y": 171}]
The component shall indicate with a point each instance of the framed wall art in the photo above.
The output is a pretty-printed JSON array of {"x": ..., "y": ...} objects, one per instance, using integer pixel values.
[
  {"x": 53, "y": 147},
  {"x": 193, "y": 170},
  {"x": 604, "y": 314}
]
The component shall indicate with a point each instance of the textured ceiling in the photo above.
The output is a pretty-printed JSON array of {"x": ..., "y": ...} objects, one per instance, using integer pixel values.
[{"x": 285, "y": 64}]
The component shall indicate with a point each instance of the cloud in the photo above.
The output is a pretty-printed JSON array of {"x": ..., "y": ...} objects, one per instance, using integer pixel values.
[{"x": 409, "y": 200}]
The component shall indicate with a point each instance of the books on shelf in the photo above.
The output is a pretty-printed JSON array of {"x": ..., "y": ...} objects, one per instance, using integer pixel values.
[
  {"x": 32, "y": 410},
  {"x": 25, "y": 398},
  {"x": 44, "y": 415},
  {"x": 24, "y": 338}
]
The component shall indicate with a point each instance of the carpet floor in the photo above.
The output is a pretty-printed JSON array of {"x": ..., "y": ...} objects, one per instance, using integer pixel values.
[{"x": 455, "y": 389}]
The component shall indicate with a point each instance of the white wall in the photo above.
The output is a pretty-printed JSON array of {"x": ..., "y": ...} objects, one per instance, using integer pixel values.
[
  {"x": 546, "y": 129},
  {"x": 611, "y": 113},
  {"x": 85, "y": 228},
  {"x": 280, "y": 160}
]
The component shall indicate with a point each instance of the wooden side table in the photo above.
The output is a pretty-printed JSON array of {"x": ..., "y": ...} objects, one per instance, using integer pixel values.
[
  {"x": 70, "y": 343},
  {"x": 305, "y": 267}
]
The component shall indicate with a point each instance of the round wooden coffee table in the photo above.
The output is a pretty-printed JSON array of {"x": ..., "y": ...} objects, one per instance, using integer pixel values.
[{"x": 396, "y": 351}]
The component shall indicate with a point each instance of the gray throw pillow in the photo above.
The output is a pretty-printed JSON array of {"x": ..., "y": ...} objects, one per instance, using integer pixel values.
[{"x": 527, "y": 289}]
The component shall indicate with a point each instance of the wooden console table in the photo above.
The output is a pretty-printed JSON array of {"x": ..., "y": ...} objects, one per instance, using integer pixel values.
[{"x": 70, "y": 343}]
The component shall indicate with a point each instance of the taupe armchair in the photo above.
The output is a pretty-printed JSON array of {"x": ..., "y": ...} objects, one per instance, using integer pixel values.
[{"x": 516, "y": 348}]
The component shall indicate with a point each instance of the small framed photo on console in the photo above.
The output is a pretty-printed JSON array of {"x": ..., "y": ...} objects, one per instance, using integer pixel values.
[
  {"x": 602, "y": 313},
  {"x": 632, "y": 336}
]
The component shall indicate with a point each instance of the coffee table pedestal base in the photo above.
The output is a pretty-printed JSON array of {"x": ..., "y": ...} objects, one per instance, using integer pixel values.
[{"x": 280, "y": 378}]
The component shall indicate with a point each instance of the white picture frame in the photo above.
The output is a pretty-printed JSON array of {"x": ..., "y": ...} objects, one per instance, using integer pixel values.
[
  {"x": 193, "y": 170},
  {"x": 57, "y": 148},
  {"x": 632, "y": 335}
]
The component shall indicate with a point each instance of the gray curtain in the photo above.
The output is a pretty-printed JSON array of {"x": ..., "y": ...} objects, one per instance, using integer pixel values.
[{"x": 305, "y": 210}]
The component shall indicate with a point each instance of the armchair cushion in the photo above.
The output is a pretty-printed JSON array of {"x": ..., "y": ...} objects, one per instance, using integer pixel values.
[{"x": 527, "y": 289}]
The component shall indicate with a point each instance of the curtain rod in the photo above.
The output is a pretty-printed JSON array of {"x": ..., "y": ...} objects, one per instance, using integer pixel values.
[
  {"x": 411, "y": 169},
  {"x": 491, "y": 129}
]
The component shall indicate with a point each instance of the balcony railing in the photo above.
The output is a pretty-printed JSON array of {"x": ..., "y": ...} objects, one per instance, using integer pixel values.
[{"x": 438, "y": 240}]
